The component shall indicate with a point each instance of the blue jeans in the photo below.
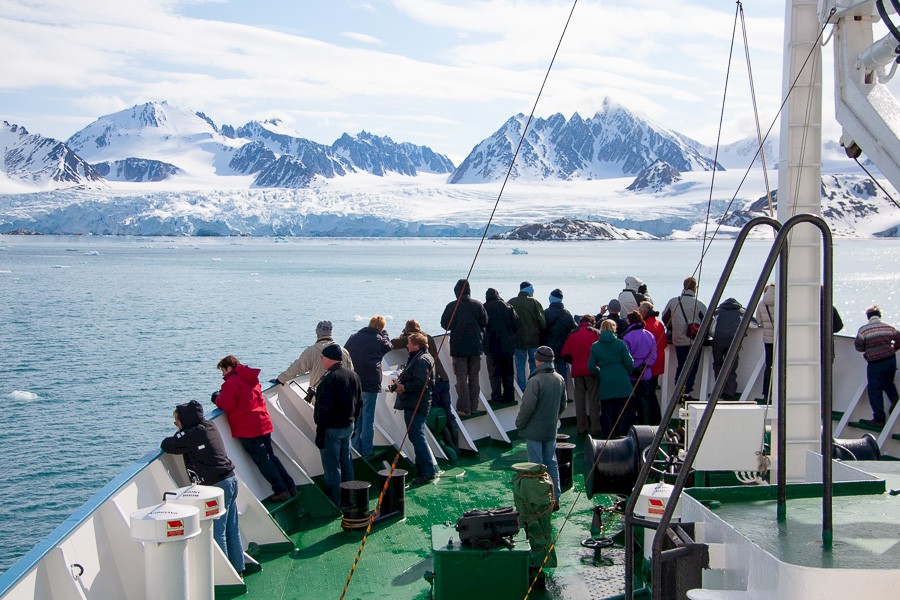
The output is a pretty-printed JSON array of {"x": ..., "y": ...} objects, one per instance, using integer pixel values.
[
  {"x": 260, "y": 450},
  {"x": 545, "y": 454},
  {"x": 225, "y": 529},
  {"x": 424, "y": 457},
  {"x": 880, "y": 376},
  {"x": 520, "y": 355},
  {"x": 365, "y": 425},
  {"x": 336, "y": 461}
]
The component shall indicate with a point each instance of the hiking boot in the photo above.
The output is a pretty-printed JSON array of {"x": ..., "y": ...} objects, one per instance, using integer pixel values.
[
  {"x": 555, "y": 505},
  {"x": 422, "y": 479},
  {"x": 280, "y": 496},
  {"x": 872, "y": 422}
]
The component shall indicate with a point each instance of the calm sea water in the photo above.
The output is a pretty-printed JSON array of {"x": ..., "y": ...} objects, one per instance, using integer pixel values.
[{"x": 101, "y": 337}]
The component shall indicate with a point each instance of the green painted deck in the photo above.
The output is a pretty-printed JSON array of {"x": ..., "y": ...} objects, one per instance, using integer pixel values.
[
  {"x": 398, "y": 553},
  {"x": 866, "y": 525}
]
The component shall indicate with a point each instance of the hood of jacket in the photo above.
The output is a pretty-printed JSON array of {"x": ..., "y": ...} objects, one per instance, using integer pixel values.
[
  {"x": 189, "y": 414},
  {"x": 607, "y": 337},
  {"x": 248, "y": 375},
  {"x": 462, "y": 286},
  {"x": 632, "y": 283},
  {"x": 731, "y": 304},
  {"x": 491, "y": 294}
]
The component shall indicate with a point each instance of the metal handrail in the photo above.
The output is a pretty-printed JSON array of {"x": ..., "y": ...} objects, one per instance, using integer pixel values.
[{"x": 778, "y": 252}]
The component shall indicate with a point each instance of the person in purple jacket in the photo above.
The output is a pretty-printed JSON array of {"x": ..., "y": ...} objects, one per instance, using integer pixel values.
[{"x": 642, "y": 346}]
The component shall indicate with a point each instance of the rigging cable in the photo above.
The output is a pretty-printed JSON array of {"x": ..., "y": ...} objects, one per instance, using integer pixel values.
[
  {"x": 712, "y": 183},
  {"x": 768, "y": 132},
  {"x": 759, "y": 137},
  {"x": 460, "y": 295},
  {"x": 881, "y": 187}
]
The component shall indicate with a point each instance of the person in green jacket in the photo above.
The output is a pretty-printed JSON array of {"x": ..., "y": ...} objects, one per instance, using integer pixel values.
[
  {"x": 612, "y": 362},
  {"x": 529, "y": 331},
  {"x": 543, "y": 402}
]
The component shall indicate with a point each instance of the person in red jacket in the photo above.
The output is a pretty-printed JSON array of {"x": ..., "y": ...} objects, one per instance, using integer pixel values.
[
  {"x": 576, "y": 350},
  {"x": 242, "y": 400},
  {"x": 652, "y": 325}
]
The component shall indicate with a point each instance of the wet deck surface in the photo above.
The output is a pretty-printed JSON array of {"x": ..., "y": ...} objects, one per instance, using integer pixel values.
[
  {"x": 398, "y": 554},
  {"x": 866, "y": 527}
]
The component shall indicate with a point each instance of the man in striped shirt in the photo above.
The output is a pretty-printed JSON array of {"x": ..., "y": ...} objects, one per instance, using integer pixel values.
[{"x": 879, "y": 343}]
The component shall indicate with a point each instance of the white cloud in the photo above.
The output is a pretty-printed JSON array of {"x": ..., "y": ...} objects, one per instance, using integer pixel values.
[{"x": 362, "y": 37}]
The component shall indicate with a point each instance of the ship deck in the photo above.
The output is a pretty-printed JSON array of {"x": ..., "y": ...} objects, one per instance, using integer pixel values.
[
  {"x": 866, "y": 525},
  {"x": 397, "y": 553}
]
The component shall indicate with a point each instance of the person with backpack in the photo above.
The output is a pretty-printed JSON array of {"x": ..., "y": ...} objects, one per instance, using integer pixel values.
[{"x": 682, "y": 317}]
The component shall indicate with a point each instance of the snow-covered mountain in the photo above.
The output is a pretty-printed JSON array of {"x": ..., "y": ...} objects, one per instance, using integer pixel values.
[
  {"x": 569, "y": 229},
  {"x": 615, "y": 142},
  {"x": 655, "y": 178},
  {"x": 156, "y": 141},
  {"x": 39, "y": 161},
  {"x": 851, "y": 204}
]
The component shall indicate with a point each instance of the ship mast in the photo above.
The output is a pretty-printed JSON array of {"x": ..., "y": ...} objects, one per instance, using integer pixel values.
[{"x": 799, "y": 191}]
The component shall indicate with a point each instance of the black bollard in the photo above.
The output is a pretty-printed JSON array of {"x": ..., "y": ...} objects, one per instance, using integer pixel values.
[
  {"x": 355, "y": 504},
  {"x": 564, "y": 453},
  {"x": 394, "y": 503}
]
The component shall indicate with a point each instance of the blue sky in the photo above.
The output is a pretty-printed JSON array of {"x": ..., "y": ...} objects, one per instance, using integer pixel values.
[{"x": 437, "y": 72}]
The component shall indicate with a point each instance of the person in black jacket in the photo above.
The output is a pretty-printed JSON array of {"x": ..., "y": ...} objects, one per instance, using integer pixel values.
[
  {"x": 199, "y": 442},
  {"x": 466, "y": 320},
  {"x": 500, "y": 346},
  {"x": 338, "y": 401},
  {"x": 726, "y": 320},
  {"x": 367, "y": 347},
  {"x": 414, "y": 387},
  {"x": 560, "y": 323}
]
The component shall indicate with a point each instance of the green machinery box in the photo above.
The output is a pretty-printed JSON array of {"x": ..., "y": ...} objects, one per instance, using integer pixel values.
[{"x": 465, "y": 572}]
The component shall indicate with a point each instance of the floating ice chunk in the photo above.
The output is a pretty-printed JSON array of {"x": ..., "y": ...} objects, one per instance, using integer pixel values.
[
  {"x": 5, "y": 271},
  {"x": 217, "y": 259},
  {"x": 92, "y": 253},
  {"x": 367, "y": 281},
  {"x": 59, "y": 266},
  {"x": 22, "y": 395}
]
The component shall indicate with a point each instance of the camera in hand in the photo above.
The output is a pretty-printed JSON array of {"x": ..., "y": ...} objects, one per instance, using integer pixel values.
[
  {"x": 392, "y": 387},
  {"x": 310, "y": 395}
]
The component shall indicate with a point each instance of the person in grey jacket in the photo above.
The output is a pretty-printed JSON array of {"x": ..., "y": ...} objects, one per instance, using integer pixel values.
[
  {"x": 310, "y": 360},
  {"x": 680, "y": 312},
  {"x": 543, "y": 402}
]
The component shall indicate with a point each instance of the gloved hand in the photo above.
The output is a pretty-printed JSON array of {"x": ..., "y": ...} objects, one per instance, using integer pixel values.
[
  {"x": 275, "y": 382},
  {"x": 215, "y": 396},
  {"x": 320, "y": 438}
]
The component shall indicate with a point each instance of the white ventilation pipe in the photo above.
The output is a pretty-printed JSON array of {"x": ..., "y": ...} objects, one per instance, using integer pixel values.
[
  {"x": 165, "y": 529},
  {"x": 210, "y": 502}
]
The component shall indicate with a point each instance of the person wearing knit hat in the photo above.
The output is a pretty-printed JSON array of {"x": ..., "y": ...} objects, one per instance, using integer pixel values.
[
  {"x": 612, "y": 312},
  {"x": 543, "y": 403},
  {"x": 310, "y": 361},
  {"x": 338, "y": 401},
  {"x": 544, "y": 354},
  {"x": 323, "y": 329},
  {"x": 560, "y": 323},
  {"x": 333, "y": 352},
  {"x": 529, "y": 332}
]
